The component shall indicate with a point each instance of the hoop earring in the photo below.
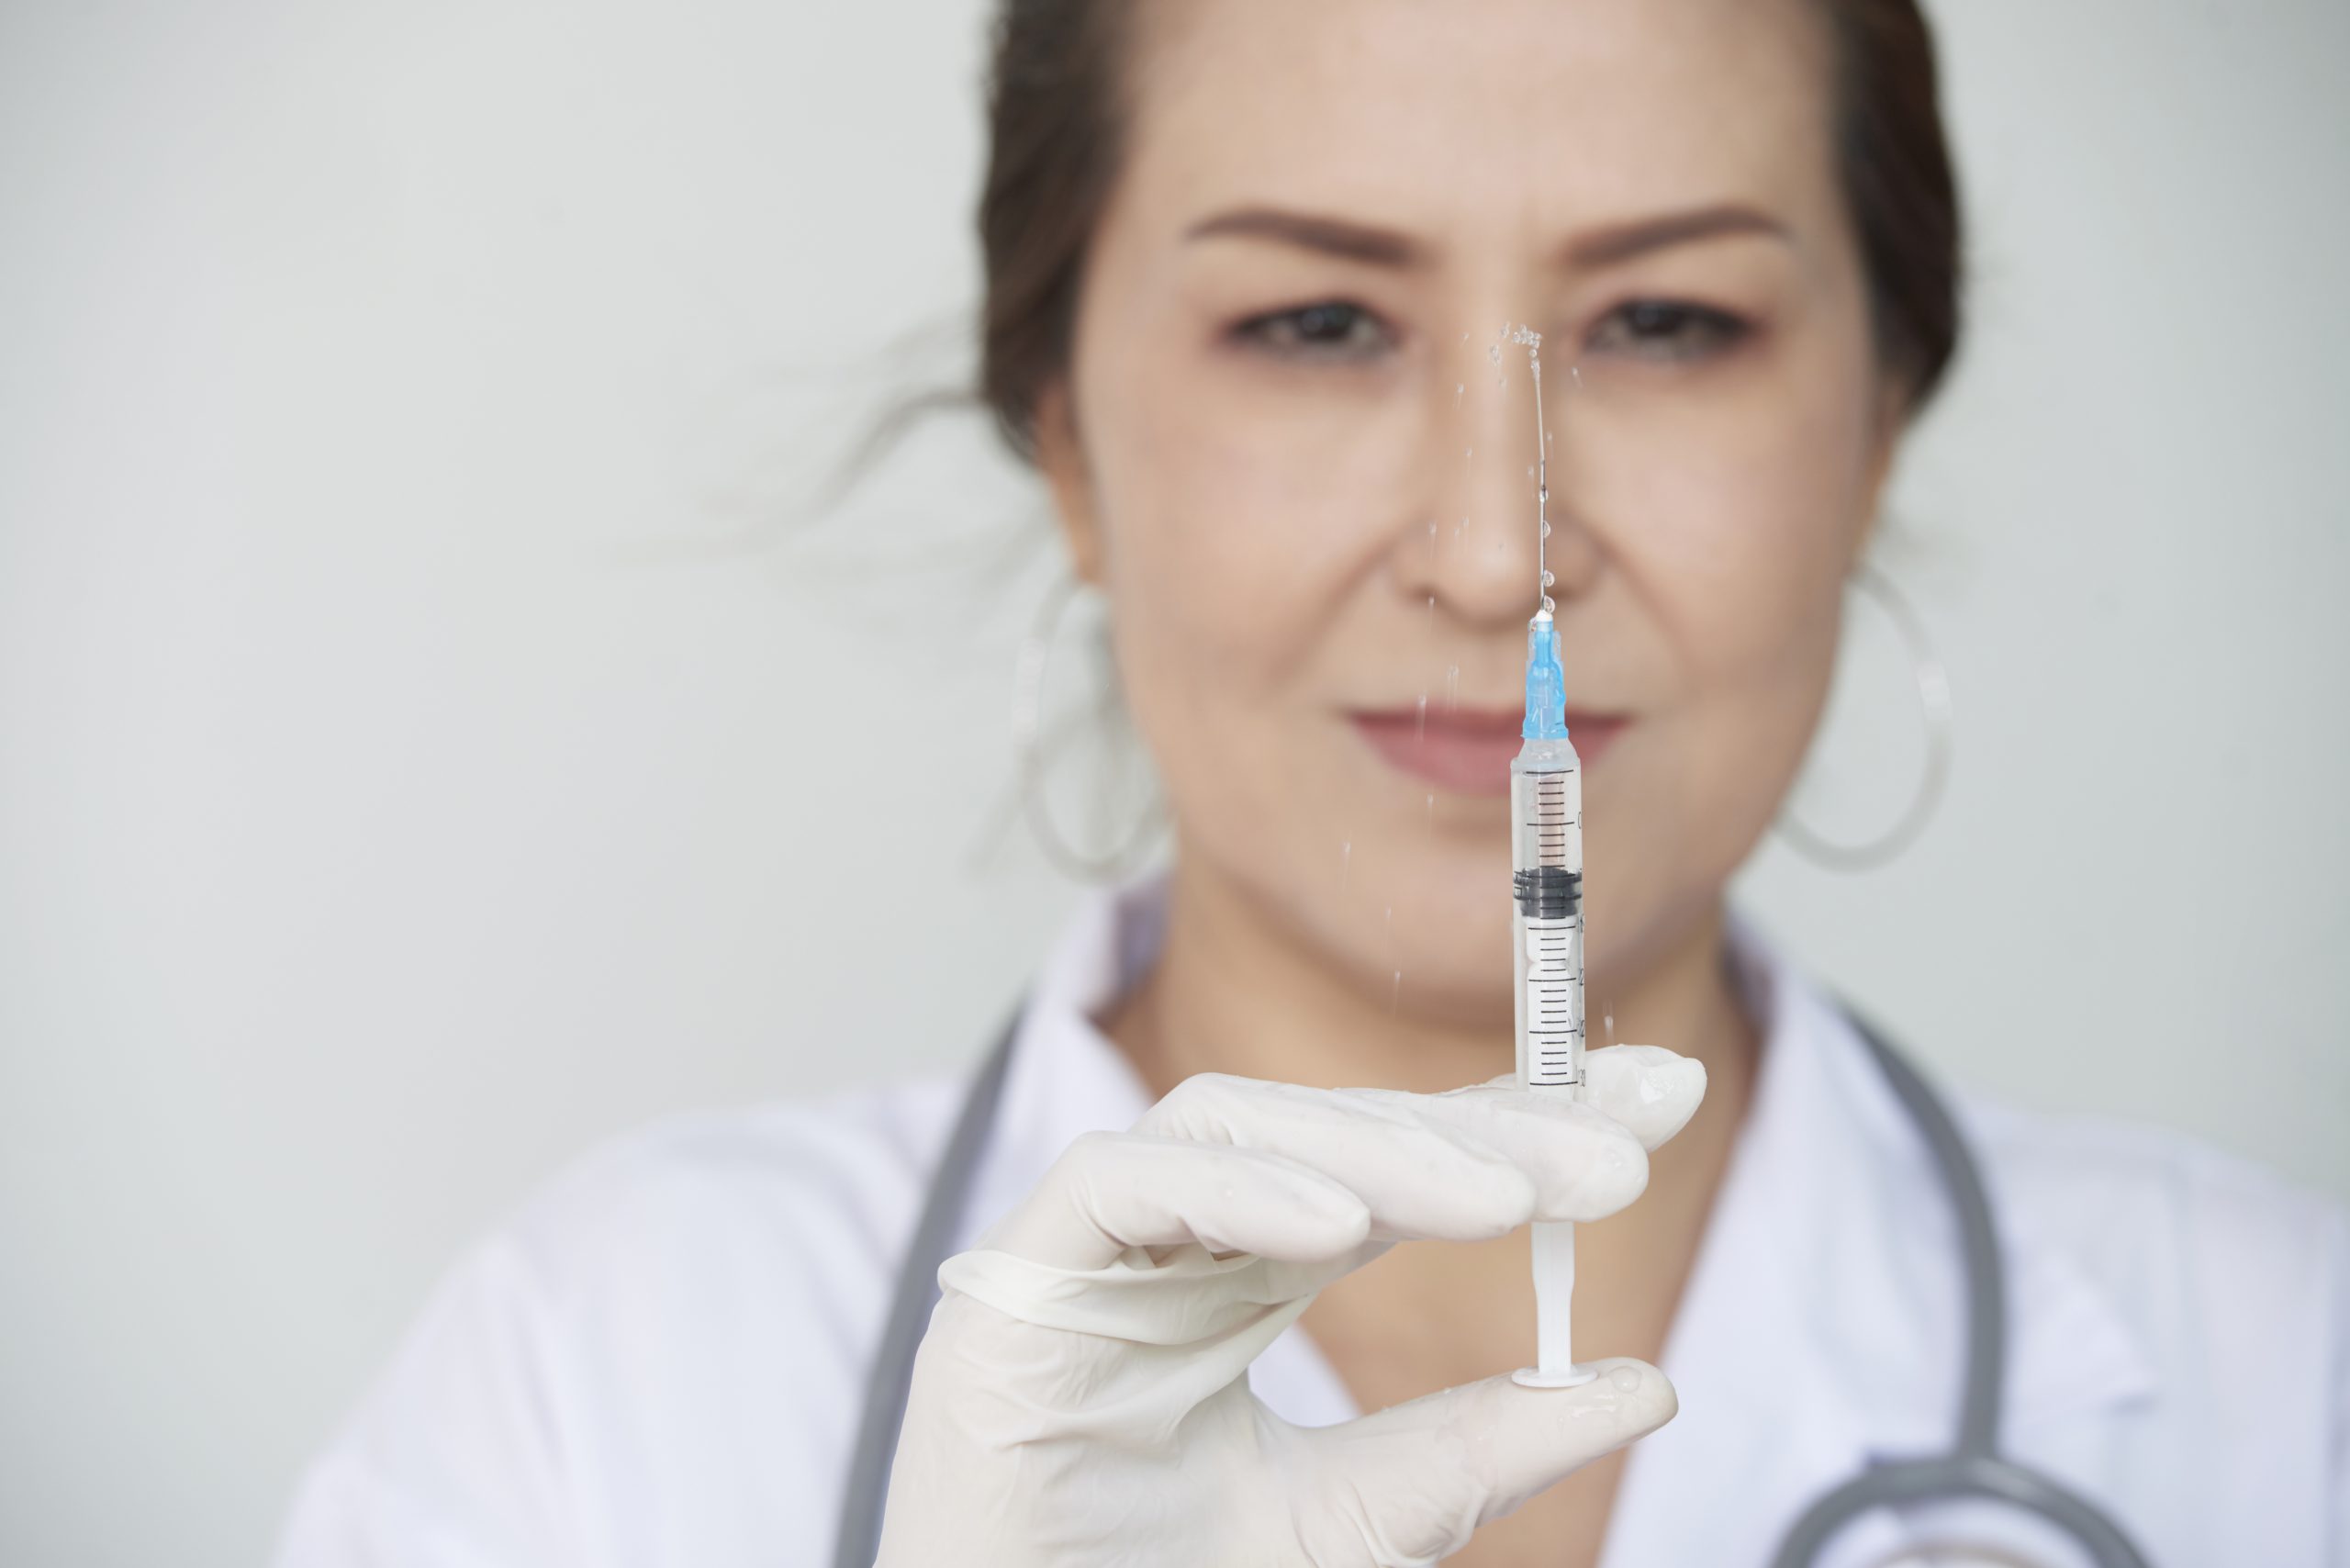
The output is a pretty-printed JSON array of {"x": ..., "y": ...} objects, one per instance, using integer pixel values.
[
  {"x": 1027, "y": 745},
  {"x": 1933, "y": 698}
]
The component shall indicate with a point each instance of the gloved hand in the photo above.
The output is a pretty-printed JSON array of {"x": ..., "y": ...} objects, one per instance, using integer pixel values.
[{"x": 1082, "y": 1396}]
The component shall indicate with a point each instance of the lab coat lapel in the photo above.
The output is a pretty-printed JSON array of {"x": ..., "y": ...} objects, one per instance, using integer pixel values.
[
  {"x": 1772, "y": 1411},
  {"x": 1822, "y": 1329},
  {"x": 1066, "y": 1080}
]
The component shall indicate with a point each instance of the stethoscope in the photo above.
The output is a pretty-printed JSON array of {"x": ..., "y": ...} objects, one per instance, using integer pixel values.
[{"x": 1972, "y": 1469}]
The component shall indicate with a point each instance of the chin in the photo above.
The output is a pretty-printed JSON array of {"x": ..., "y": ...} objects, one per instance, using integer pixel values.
[
  {"x": 1453, "y": 962},
  {"x": 1459, "y": 1000}
]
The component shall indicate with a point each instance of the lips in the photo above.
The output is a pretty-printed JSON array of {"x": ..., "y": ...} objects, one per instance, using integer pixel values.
[{"x": 1467, "y": 750}]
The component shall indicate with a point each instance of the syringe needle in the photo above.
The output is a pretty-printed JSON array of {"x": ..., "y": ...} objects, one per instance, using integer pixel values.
[{"x": 1546, "y": 917}]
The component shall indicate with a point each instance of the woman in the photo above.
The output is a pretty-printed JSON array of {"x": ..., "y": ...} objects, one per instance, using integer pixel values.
[{"x": 1245, "y": 263}]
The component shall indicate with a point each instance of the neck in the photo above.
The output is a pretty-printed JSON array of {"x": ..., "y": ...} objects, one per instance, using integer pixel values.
[{"x": 1234, "y": 991}]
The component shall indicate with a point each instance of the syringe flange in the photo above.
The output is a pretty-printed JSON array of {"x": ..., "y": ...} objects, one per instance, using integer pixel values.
[{"x": 1575, "y": 1376}]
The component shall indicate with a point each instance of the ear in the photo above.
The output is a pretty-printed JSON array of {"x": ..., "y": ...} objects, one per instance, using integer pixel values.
[
  {"x": 1891, "y": 422},
  {"x": 1060, "y": 458}
]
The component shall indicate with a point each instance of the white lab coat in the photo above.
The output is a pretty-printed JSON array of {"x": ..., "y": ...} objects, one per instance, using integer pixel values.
[{"x": 659, "y": 1363}]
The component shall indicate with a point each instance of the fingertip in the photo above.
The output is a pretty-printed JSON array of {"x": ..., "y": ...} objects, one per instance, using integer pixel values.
[
  {"x": 1627, "y": 1401},
  {"x": 1647, "y": 1397},
  {"x": 1527, "y": 1439},
  {"x": 1522, "y": 1202},
  {"x": 1614, "y": 1171},
  {"x": 1480, "y": 1199},
  {"x": 1651, "y": 1090},
  {"x": 1334, "y": 1211}
]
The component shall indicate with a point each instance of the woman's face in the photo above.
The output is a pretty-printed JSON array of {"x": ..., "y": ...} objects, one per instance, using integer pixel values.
[{"x": 1287, "y": 452}]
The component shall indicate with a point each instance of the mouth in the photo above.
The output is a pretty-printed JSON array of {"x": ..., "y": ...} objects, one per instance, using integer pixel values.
[{"x": 1467, "y": 750}]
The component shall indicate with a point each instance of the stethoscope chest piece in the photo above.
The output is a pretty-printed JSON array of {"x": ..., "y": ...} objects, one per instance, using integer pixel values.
[{"x": 2019, "y": 1518}]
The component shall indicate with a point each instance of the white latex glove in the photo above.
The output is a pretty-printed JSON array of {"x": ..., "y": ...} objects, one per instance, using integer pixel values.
[{"x": 1082, "y": 1396}]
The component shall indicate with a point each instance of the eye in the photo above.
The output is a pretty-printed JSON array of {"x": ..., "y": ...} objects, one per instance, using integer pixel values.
[
  {"x": 1667, "y": 330},
  {"x": 1328, "y": 329}
]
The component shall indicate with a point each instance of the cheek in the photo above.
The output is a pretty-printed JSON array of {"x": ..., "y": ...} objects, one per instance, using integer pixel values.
[
  {"x": 1733, "y": 523},
  {"x": 1733, "y": 519},
  {"x": 1237, "y": 522},
  {"x": 1249, "y": 515}
]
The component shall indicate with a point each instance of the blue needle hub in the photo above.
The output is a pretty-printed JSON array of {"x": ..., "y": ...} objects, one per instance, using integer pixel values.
[{"x": 1546, "y": 683}]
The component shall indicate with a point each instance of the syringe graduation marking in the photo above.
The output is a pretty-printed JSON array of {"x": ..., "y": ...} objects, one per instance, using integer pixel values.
[
  {"x": 1550, "y": 818},
  {"x": 1554, "y": 1027},
  {"x": 1553, "y": 940}
]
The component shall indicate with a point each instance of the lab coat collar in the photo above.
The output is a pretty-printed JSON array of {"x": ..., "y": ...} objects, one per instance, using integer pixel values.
[{"x": 1065, "y": 1078}]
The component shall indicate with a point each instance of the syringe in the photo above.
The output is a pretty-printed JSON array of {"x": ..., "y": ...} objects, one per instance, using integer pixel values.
[{"x": 1546, "y": 929}]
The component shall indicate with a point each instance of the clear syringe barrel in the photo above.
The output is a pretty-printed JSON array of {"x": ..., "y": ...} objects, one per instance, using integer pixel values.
[
  {"x": 1546, "y": 928},
  {"x": 1546, "y": 922}
]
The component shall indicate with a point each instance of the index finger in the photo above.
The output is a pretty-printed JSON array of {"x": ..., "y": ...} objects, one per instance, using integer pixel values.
[{"x": 1650, "y": 1091}]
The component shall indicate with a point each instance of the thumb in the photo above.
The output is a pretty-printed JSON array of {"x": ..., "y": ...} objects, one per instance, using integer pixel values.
[{"x": 1410, "y": 1483}]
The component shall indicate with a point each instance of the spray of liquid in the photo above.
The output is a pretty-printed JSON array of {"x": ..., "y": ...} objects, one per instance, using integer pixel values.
[{"x": 1532, "y": 341}]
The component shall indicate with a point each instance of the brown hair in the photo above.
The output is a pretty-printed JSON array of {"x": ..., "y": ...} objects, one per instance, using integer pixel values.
[{"x": 1053, "y": 135}]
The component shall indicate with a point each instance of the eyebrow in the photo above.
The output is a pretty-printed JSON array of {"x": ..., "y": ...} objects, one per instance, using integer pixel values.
[
  {"x": 1385, "y": 247},
  {"x": 1328, "y": 236},
  {"x": 1621, "y": 242}
]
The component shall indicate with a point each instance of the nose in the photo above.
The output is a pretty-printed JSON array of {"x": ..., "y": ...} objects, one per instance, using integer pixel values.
[{"x": 1479, "y": 557}]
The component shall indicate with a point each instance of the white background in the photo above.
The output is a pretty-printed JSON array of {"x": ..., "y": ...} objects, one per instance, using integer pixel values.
[{"x": 425, "y": 748}]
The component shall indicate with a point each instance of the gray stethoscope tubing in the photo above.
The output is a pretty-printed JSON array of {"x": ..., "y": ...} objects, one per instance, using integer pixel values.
[
  {"x": 1972, "y": 1468},
  {"x": 911, "y": 1301}
]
